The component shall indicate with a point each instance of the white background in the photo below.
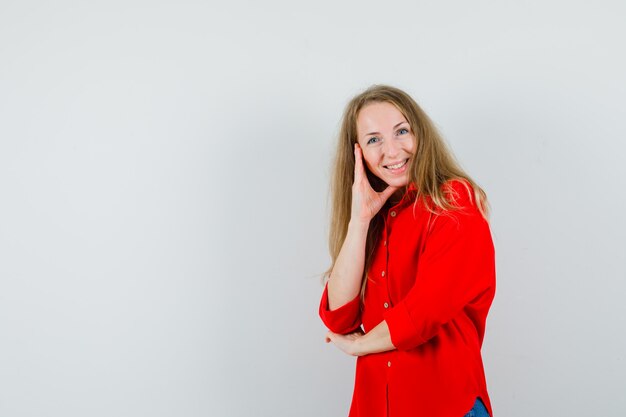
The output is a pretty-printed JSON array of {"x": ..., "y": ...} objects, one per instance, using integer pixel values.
[{"x": 164, "y": 196}]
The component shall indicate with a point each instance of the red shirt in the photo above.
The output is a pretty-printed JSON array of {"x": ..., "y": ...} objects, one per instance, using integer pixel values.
[{"x": 433, "y": 283}]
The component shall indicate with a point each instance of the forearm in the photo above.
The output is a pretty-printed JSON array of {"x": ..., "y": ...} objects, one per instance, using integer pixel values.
[
  {"x": 345, "y": 278},
  {"x": 376, "y": 340}
]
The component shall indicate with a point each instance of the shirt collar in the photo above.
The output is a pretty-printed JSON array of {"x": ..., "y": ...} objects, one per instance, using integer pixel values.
[{"x": 408, "y": 197}]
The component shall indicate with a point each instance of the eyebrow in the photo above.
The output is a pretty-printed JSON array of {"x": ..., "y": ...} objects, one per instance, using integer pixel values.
[{"x": 378, "y": 133}]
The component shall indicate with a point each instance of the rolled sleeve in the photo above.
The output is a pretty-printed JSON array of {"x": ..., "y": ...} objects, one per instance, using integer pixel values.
[
  {"x": 342, "y": 320},
  {"x": 402, "y": 330}
]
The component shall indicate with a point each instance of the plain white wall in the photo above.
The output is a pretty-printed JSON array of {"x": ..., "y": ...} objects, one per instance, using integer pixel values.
[{"x": 163, "y": 183}]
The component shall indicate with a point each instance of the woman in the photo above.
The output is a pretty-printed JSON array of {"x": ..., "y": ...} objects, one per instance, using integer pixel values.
[{"x": 413, "y": 271}]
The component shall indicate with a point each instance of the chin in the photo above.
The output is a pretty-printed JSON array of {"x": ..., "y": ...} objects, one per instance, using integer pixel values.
[{"x": 397, "y": 182}]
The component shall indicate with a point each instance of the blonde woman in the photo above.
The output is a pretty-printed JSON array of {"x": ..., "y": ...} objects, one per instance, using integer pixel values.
[{"x": 413, "y": 269}]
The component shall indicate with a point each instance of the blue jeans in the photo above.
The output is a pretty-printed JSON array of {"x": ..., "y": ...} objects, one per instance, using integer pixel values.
[{"x": 478, "y": 410}]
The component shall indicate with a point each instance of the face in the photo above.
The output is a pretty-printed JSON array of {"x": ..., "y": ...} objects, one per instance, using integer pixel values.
[{"x": 387, "y": 142}]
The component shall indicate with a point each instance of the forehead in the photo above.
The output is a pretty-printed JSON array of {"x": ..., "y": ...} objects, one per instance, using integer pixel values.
[{"x": 378, "y": 116}]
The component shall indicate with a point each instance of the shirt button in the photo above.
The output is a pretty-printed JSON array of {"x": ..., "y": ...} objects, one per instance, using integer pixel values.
[
  {"x": 386, "y": 305},
  {"x": 383, "y": 273},
  {"x": 385, "y": 243},
  {"x": 393, "y": 214},
  {"x": 389, "y": 364}
]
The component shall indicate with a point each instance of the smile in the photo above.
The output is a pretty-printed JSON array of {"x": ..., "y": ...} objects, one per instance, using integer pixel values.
[{"x": 396, "y": 166}]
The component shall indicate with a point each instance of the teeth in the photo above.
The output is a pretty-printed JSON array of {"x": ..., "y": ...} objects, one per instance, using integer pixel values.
[{"x": 396, "y": 166}]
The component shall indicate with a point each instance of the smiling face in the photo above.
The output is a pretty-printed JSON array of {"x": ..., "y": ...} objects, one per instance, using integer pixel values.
[{"x": 387, "y": 142}]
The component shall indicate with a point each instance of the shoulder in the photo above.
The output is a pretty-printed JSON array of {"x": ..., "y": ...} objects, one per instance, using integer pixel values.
[
  {"x": 466, "y": 204},
  {"x": 459, "y": 193},
  {"x": 463, "y": 220}
]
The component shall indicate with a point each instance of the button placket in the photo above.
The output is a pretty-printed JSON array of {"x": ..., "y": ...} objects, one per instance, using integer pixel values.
[{"x": 384, "y": 271}]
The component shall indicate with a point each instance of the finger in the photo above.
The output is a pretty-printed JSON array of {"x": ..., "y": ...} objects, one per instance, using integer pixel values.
[{"x": 359, "y": 171}]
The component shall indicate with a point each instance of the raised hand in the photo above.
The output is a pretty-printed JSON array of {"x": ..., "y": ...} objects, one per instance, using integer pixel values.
[{"x": 366, "y": 202}]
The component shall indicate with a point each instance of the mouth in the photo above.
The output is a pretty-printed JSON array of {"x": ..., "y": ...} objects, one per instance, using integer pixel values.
[{"x": 396, "y": 166}]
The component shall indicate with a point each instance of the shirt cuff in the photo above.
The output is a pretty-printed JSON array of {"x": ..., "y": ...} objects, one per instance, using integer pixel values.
[
  {"x": 401, "y": 328},
  {"x": 344, "y": 319}
]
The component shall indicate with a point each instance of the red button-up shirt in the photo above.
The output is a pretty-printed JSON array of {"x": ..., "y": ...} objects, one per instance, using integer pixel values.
[{"x": 432, "y": 278}]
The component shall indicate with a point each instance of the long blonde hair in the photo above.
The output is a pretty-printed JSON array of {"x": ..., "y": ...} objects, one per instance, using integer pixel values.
[{"x": 430, "y": 167}]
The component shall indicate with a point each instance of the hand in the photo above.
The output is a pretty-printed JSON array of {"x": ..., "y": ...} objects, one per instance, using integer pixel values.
[
  {"x": 365, "y": 201},
  {"x": 358, "y": 343},
  {"x": 347, "y": 343}
]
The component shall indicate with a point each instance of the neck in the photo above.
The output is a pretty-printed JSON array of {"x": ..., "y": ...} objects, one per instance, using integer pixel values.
[{"x": 396, "y": 197}]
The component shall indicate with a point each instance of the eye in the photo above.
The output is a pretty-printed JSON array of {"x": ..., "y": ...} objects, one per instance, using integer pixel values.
[
  {"x": 403, "y": 131},
  {"x": 373, "y": 139}
]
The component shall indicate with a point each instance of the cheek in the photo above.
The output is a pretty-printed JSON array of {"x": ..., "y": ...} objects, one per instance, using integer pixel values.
[
  {"x": 412, "y": 146},
  {"x": 370, "y": 161}
]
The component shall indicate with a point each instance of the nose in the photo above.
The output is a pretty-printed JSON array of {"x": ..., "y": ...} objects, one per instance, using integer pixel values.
[{"x": 391, "y": 148}]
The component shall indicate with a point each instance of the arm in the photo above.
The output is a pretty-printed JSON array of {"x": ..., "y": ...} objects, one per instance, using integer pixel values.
[
  {"x": 358, "y": 344},
  {"x": 339, "y": 307},
  {"x": 345, "y": 279},
  {"x": 456, "y": 272}
]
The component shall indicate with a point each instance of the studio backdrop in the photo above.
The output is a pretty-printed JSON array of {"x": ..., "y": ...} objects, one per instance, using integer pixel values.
[{"x": 164, "y": 172}]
